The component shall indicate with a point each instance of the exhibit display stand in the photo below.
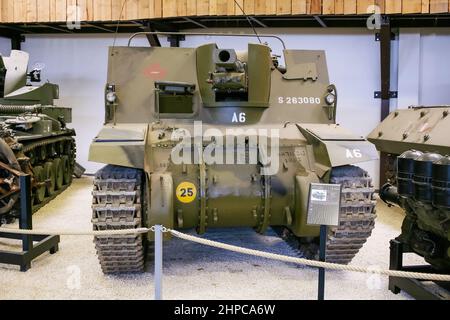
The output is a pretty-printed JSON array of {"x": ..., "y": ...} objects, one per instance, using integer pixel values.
[
  {"x": 324, "y": 205},
  {"x": 421, "y": 290},
  {"x": 32, "y": 246}
]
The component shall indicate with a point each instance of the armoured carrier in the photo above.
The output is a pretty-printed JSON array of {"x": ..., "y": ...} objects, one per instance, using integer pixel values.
[
  {"x": 34, "y": 138},
  {"x": 417, "y": 138},
  {"x": 207, "y": 137}
]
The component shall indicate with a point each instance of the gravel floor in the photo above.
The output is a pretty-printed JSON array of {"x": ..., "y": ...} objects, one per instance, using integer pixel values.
[{"x": 191, "y": 271}]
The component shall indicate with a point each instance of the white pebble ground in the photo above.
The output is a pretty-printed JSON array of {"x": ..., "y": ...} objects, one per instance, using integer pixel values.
[{"x": 191, "y": 271}]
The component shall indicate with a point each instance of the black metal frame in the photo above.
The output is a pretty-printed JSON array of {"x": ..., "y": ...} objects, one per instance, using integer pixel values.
[
  {"x": 30, "y": 250},
  {"x": 16, "y": 42},
  {"x": 175, "y": 40},
  {"x": 153, "y": 39},
  {"x": 322, "y": 257},
  {"x": 385, "y": 38},
  {"x": 413, "y": 287}
]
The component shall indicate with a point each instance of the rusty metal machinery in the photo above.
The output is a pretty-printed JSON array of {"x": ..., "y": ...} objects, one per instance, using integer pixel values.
[
  {"x": 416, "y": 140},
  {"x": 423, "y": 191}
]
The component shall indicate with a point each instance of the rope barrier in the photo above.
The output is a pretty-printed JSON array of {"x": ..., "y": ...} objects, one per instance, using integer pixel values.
[
  {"x": 76, "y": 233},
  {"x": 311, "y": 263},
  {"x": 215, "y": 244}
]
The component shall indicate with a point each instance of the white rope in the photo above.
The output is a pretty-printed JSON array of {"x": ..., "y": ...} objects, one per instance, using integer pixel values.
[
  {"x": 76, "y": 233},
  {"x": 215, "y": 244},
  {"x": 312, "y": 263}
]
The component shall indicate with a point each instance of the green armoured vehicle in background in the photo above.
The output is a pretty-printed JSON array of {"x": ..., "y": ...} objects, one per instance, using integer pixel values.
[
  {"x": 207, "y": 137},
  {"x": 34, "y": 138},
  {"x": 418, "y": 139}
]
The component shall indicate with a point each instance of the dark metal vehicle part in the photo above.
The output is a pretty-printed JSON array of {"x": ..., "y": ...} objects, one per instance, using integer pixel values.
[
  {"x": 423, "y": 191},
  {"x": 417, "y": 141}
]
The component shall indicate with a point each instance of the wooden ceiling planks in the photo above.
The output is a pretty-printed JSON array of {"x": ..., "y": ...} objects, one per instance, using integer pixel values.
[{"x": 21, "y": 11}]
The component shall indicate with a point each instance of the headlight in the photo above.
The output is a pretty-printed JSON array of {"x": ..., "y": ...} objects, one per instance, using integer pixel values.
[
  {"x": 330, "y": 99},
  {"x": 111, "y": 97}
]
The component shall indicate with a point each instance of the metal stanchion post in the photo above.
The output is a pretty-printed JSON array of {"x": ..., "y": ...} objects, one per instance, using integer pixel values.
[
  {"x": 158, "y": 261},
  {"x": 322, "y": 255},
  {"x": 25, "y": 221}
]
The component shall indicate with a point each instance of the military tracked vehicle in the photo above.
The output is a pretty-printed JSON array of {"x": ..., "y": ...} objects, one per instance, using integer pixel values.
[
  {"x": 211, "y": 137},
  {"x": 34, "y": 138},
  {"x": 417, "y": 138}
]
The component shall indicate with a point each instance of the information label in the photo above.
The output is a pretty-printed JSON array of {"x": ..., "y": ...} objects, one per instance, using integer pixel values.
[{"x": 324, "y": 204}]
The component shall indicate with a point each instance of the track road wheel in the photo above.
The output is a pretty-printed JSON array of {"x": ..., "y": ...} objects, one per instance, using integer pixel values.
[
  {"x": 357, "y": 216},
  {"x": 39, "y": 176},
  {"x": 59, "y": 173},
  {"x": 117, "y": 205},
  {"x": 67, "y": 170},
  {"x": 50, "y": 176}
]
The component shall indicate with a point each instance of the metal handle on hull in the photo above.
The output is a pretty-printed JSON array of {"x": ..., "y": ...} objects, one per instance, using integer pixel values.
[{"x": 248, "y": 35}]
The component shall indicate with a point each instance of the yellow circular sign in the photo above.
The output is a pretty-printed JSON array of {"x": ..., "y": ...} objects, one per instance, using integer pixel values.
[{"x": 186, "y": 192}]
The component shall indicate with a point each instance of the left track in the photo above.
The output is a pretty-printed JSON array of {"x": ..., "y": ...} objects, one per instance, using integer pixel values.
[
  {"x": 117, "y": 205},
  {"x": 52, "y": 163}
]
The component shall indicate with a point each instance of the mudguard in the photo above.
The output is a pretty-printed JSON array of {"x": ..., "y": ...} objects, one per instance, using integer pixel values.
[
  {"x": 121, "y": 145},
  {"x": 334, "y": 146}
]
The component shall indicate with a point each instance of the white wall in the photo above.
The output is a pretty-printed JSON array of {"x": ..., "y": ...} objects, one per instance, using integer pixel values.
[
  {"x": 424, "y": 67},
  {"x": 5, "y": 46},
  {"x": 435, "y": 67}
]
